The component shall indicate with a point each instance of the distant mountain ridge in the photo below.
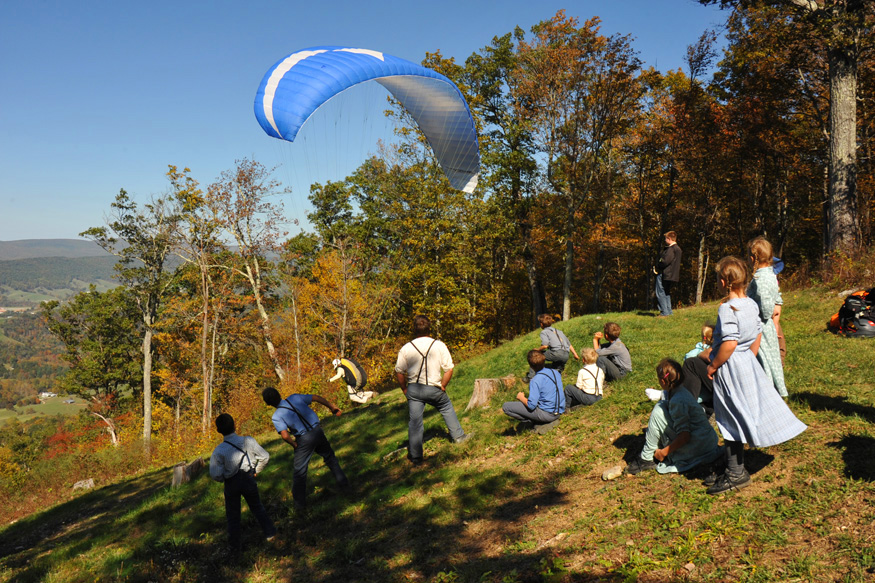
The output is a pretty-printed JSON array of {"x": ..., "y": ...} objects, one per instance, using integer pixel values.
[{"x": 36, "y": 248}]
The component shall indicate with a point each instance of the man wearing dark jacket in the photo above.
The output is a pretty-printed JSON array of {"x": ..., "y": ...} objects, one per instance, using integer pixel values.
[{"x": 667, "y": 271}]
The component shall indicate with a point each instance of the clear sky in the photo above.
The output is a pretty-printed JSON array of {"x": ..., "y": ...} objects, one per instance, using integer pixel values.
[{"x": 96, "y": 96}]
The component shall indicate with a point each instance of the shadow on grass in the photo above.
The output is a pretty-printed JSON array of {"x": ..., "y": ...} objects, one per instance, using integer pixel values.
[
  {"x": 450, "y": 516},
  {"x": 858, "y": 451},
  {"x": 73, "y": 524},
  {"x": 631, "y": 444},
  {"x": 838, "y": 404}
]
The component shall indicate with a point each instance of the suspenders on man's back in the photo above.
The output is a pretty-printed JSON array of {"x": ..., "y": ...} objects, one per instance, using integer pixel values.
[
  {"x": 424, "y": 362},
  {"x": 245, "y": 455},
  {"x": 307, "y": 426},
  {"x": 552, "y": 378}
]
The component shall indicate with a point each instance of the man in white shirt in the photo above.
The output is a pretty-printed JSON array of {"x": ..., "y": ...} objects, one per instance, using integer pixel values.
[
  {"x": 424, "y": 369},
  {"x": 235, "y": 462}
]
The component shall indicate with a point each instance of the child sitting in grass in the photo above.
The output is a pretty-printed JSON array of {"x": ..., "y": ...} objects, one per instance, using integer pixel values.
[
  {"x": 705, "y": 343},
  {"x": 678, "y": 436},
  {"x": 590, "y": 382},
  {"x": 695, "y": 363},
  {"x": 613, "y": 356},
  {"x": 546, "y": 400},
  {"x": 554, "y": 344}
]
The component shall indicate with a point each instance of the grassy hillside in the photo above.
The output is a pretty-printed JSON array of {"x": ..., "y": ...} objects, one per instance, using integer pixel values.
[{"x": 504, "y": 507}]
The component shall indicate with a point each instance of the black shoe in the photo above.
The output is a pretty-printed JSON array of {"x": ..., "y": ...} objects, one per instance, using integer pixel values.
[
  {"x": 725, "y": 483},
  {"x": 639, "y": 465},
  {"x": 524, "y": 427},
  {"x": 543, "y": 428},
  {"x": 711, "y": 478}
]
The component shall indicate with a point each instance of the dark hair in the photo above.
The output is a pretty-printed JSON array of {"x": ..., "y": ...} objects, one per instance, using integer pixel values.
[
  {"x": 612, "y": 330},
  {"x": 421, "y": 326},
  {"x": 536, "y": 359},
  {"x": 225, "y": 424},
  {"x": 546, "y": 319},
  {"x": 671, "y": 372},
  {"x": 271, "y": 396}
]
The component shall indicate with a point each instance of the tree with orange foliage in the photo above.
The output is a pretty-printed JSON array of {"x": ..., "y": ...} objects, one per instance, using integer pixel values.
[{"x": 580, "y": 91}]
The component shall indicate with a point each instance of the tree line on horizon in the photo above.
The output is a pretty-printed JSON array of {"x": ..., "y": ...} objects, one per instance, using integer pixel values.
[{"x": 587, "y": 158}]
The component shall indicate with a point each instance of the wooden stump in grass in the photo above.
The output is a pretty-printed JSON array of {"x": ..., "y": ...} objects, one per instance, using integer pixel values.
[
  {"x": 485, "y": 388},
  {"x": 183, "y": 473}
]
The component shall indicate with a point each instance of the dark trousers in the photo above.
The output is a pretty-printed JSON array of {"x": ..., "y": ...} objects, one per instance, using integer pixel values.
[
  {"x": 313, "y": 441},
  {"x": 242, "y": 484},
  {"x": 574, "y": 397},
  {"x": 696, "y": 380},
  {"x": 612, "y": 371}
]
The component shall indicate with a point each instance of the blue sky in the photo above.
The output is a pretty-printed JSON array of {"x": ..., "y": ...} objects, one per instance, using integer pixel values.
[{"x": 98, "y": 96}]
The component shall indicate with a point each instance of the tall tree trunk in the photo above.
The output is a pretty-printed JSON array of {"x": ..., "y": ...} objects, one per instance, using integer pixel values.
[
  {"x": 536, "y": 290},
  {"x": 600, "y": 263},
  {"x": 844, "y": 228},
  {"x": 147, "y": 386},
  {"x": 205, "y": 335},
  {"x": 569, "y": 261},
  {"x": 253, "y": 273},
  {"x": 297, "y": 338},
  {"x": 702, "y": 272}
]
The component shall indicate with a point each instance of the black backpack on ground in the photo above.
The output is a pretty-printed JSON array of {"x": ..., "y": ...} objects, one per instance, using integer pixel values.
[{"x": 856, "y": 317}]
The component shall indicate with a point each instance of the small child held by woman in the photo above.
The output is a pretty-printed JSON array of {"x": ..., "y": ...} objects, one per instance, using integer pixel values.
[{"x": 590, "y": 382}]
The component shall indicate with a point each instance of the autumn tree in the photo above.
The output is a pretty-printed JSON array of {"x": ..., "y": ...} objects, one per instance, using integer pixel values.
[
  {"x": 242, "y": 200},
  {"x": 196, "y": 242},
  {"x": 141, "y": 237},
  {"x": 99, "y": 332},
  {"x": 507, "y": 149},
  {"x": 842, "y": 26},
  {"x": 580, "y": 90}
]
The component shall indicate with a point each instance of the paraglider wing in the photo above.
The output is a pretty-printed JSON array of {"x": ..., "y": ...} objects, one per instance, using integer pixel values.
[{"x": 297, "y": 85}]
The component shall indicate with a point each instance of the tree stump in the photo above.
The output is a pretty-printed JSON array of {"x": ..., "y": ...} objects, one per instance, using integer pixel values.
[
  {"x": 183, "y": 473},
  {"x": 485, "y": 388}
]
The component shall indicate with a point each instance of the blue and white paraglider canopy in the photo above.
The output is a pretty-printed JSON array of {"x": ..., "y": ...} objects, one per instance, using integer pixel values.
[{"x": 299, "y": 84}]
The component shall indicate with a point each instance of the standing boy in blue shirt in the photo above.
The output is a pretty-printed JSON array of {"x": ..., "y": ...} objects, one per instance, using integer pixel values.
[
  {"x": 546, "y": 400},
  {"x": 298, "y": 425}
]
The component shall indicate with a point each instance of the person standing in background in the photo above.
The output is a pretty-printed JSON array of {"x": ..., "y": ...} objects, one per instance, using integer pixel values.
[{"x": 668, "y": 272}]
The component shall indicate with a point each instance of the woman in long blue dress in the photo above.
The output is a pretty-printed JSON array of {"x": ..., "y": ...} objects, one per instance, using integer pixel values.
[{"x": 746, "y": 406}]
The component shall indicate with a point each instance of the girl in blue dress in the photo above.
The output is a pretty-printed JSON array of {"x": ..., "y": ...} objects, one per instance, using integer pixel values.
[{"x": 746, "y": 406}]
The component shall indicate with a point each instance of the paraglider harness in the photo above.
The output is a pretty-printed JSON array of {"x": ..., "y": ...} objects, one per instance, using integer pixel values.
[
  {"x": 553, "y": 378},
  {"x": 308, "y": 426},
  {"x": 856, "y": 317},
  {"x": 354, "y": 375},
  {"x": 251, "y": 471}
]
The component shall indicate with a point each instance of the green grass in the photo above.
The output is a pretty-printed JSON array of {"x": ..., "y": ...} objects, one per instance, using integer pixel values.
[
  {"x": 505, "y": 507},
  {"x": 53, "y": 406}
]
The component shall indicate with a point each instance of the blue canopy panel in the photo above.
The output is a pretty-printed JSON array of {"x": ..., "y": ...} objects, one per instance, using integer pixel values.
[{"x": 297, "y": 85}]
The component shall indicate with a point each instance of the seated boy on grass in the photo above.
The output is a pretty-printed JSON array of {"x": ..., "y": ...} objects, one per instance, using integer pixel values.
[{"x": 546, "y": 400}]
